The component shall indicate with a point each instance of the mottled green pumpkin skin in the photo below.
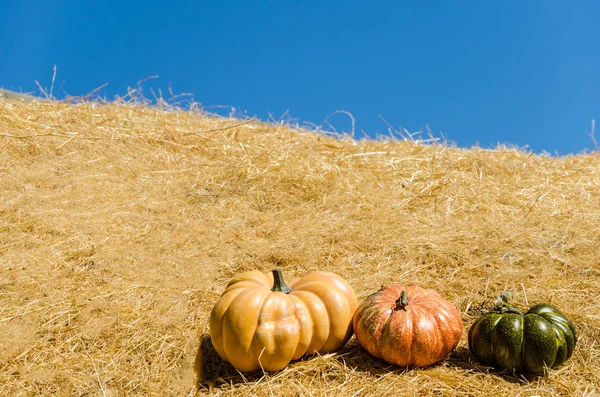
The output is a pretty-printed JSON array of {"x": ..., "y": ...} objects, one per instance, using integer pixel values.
[{"x": 532, "y": 342}]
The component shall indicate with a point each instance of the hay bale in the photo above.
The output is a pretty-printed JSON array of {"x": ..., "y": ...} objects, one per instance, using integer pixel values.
[{"x": 121, "y": 223}]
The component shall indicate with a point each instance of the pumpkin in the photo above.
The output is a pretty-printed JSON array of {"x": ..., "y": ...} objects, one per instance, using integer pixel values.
[
  {"x": 260, "y": 322},
  {"x": 408, "y": 326},
  {"x": 506, "y": 338}
]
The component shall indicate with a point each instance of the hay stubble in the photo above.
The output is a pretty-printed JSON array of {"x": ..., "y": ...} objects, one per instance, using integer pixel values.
[{"x": 120, "y": 224}]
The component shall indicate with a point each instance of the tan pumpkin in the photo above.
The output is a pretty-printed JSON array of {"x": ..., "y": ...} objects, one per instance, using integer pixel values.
[
  {"x": 260, "y": 322},
  {"x": 408, "y": 326}
]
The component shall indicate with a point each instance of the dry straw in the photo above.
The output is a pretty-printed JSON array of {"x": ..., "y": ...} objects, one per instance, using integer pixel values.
[{"x": 120, "y": 224}]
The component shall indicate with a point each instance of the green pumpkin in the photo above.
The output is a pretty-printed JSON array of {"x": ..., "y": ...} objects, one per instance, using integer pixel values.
[{"x": 532, "y": 342}]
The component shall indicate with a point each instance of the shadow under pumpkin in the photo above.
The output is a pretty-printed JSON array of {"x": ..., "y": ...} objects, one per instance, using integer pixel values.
[{"x": 211, "y": 370}]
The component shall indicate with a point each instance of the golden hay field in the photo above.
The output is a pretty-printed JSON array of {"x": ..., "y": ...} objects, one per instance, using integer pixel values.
[{"x": 121, "y": 223}]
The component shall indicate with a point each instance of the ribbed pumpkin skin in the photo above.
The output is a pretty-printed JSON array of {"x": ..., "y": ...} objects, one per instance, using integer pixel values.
[
  {"x": 423, "y": 333},
  {"x": 532, "y": 342},
  {"x": 253, "y": 327}
]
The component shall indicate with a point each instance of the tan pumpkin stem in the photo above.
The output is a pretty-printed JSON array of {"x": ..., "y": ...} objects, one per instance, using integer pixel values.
[
  {"x": 502, "y": 305},
  {"x": 402, "y": 301},
  {"x": 279, "y": 284}
]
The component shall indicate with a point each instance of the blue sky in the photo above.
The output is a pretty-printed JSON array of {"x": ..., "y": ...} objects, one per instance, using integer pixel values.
[{"x": 481, "y": 72}]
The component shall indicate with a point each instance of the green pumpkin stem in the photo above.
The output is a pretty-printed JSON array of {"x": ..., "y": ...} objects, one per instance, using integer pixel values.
[
  {"x": 279, "y": 284},
  {"x": 402, "y": 301}
]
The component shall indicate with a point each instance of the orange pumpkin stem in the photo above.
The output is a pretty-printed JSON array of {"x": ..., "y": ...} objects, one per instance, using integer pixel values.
[
  {"x": 402, "y": 301},
  {"x": 279, "y": 284}
]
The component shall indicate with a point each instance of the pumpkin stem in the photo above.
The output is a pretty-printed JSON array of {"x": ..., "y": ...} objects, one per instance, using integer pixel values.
[
  {"x": 402, "y": 301},
  {"x": 501, "y": 304},
  {"x": 279, "y": 284}
]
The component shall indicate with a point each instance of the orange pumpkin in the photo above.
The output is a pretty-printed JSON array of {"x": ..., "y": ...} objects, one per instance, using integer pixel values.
[
  {"x": 260, "y": 322},
  {"x": 408, "y": 326}
]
